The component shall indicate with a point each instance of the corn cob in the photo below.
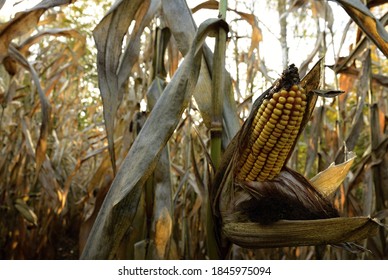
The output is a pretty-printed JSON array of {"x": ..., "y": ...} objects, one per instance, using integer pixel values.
[{"x": 274, "y": 129}]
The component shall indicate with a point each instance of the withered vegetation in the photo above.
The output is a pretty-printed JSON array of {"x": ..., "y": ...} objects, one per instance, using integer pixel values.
[{"x": 109, "y": 131}]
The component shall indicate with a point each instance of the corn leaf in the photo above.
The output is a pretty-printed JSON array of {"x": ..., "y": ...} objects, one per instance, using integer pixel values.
[
  {"x": 327, "y": 181},
  {"x": 301, "y": 233},
  {"x": 119, "y": 207},
  {"x": 23, "y": 23},
  {"x": 109, "y": 35},
  {"x": 363, "y": 17},
  {"x": 183, "y": 29}
]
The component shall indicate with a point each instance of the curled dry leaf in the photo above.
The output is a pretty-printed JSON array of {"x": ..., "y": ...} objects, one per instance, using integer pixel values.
[
  {"x": 26, "y": 211},
  {"x": 23, "y": 23},
  {"x": 120, "y": 205},
  {"x": 363, "y": 17},
  {"x": 327, "y": 181},
  {"x": 302, "y": 233}
]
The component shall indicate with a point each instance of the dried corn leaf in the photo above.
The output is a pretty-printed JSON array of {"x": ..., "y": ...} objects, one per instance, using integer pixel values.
[
  {"x": 358, "y": 120},
  {"x": 161, "y": 221},
  {"x": 26, "y": 211},
  {"x": 327, "y": 181},
  {"x": 66, "y": 32},
  {"x": 23, "y": 23},
  {"x": 109, "y": 35},
  {"x": 183, "y": 29},
  {"x": 256, "y": 36},
  {"x": 301, "y": 233},
  {"x": 40, "y": 154},
  {"x": 120, "y": 205},
  {"x": 363, "y": 17}
]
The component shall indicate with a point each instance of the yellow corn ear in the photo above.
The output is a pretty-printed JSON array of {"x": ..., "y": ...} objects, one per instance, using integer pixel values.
[{"x": 272, "y": 135}]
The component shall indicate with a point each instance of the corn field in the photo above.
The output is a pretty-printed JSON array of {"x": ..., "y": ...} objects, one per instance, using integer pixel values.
[{"x": 115, "y": 119}]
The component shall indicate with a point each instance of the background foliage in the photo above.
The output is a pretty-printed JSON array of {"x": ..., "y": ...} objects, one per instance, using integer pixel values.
[{"x": 55, "y": 165}]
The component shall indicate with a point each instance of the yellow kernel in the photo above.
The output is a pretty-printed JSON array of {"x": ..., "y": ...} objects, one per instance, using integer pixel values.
[
  {"x": 273, "y": 156},
  {"x": 288, "y": 106},
  {"x": 277, "y": 111},
  {"x": 297, "y": 107},
  {"x": 265, "y": 116},
  {"x": 290, "y": 99},
  {"x": 271, "y": 141},
  {"x": 270, "y": 106},
  {"x": 303, "y": 103},
  {"x": 262, "y": 122},
  {"x": 295, "y": 113},
  {"x": 280, "y": 126},
  {"x": 259, "y": 142},
  {"x": 282, "y": 99},
  {"x": 270, "y": 145},
  {"x": 268, "y": 129},
  {"x": 291, "y": 93},
  {"x": 266, "y": 132},
  {"x": 264, "y": 174},
  {"x": 274, "y": 116},
  {"x": 276, "y": 134},
  {"x": 276, "y": 95},
  {"x": 277, "y": 130},
  {"x": 295, "y": 87},
  {"x": 268, "y": 111},
  {"x": 251, "y": 158},
  {"x": 277, "y": 148},
  {"x": 285, "y": 117},
  {"x": 267, "y": 169},
  {"x": 285, "y": 136},
  {"x": 257, "y": 130},
  {"x": 283, "y": 122},
  {"x": 255, "y": 149},
  {"x": 267, "y": 149},
  {"x": 260, "y": 159},
  {"x": 270, "y": 126},
  {"x": 279, "y": 106},
  {"x": 273, "y": 101},
  {"x": 261, "y": 178},
  {"x": 298, "y": 100},
  {"x": 271, "y": 120},
  {"x": 262, "y": 139},
  {"x": 271, "y": 160},
  {"x": 283, "y": 92},
  {"x": 250, "y": 177},
  {"x": 286, "y": 111},
  {"x": 303, "y": 96}
]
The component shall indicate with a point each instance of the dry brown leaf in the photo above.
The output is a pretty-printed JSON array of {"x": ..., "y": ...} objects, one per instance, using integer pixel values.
[
  {"x": 26, "y": 211},
  {"x": 363, "y": 17},
  {"x": 301, "y": 233},
  {"x": 109, "y": 35},
  {"x": 23, "y": 23},
  {"x": 327, "y": 181},
  {"x": 120, "y": 205},
  {"x": 40, "y": 153}
]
